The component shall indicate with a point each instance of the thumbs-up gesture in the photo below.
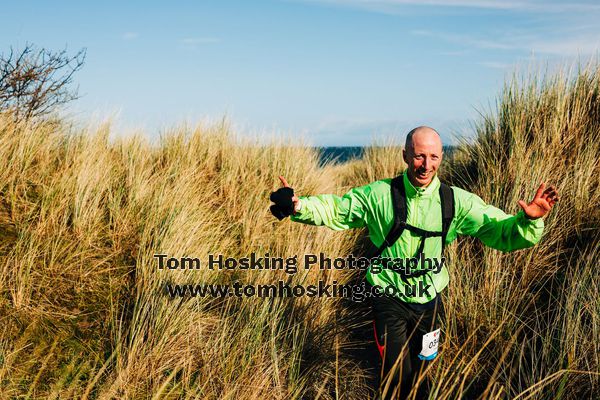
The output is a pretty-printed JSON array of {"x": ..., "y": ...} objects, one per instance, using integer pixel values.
[
  {"x": 542, "y": 202},
  {"x": 284, "y": 199}
]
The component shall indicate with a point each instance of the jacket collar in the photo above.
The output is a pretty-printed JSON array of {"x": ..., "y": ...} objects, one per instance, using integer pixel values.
[{"x": 412, "y": 191}]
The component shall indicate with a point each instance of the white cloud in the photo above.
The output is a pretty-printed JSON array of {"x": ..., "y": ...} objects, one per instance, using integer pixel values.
[
  {"x": 537, "y": 6},
  {"x": 130, "y": 35},
  {"x": 574, "y": 46},
  {"x": 465, "y": 40},
  {"x": 495, "y": 65},
  {"x": 560, "y": 44},
  {"x": 570, "y": 28}
]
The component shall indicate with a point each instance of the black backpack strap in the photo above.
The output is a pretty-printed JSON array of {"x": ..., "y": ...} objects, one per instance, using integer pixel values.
[
  {"x": 447, "y": 202},
  {"x": 400, "y": 213}
]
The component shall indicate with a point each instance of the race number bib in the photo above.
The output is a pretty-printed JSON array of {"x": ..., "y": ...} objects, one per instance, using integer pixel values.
[{"x": 431, "y": 342}]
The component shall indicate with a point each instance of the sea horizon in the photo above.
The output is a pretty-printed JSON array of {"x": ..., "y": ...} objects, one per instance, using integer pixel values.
[{"x": 342, "y": 154}]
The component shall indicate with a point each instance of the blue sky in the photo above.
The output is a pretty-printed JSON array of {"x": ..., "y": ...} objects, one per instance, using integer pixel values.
[{"x": 338, "y": 72}]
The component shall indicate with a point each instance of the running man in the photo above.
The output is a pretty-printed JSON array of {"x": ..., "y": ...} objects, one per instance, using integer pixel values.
[{"x": 415, "y": 216}]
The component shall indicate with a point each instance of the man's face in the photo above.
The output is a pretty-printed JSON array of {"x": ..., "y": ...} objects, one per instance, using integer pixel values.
[{"x": 423, "y": 157}]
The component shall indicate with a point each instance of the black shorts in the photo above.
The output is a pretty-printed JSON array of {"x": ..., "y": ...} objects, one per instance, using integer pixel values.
[{"x": 399, "y": 325}]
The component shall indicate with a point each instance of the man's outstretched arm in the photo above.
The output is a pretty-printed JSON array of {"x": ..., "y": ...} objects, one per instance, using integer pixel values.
[
  {"x": 336, "y": 212},
  {"x": 499, "y": 230}
]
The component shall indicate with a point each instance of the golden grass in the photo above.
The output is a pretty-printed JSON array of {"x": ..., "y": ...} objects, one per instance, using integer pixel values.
[{"x": 83, "y": 312}]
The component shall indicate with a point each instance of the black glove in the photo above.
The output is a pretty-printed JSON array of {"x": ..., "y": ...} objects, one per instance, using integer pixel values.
[{"x": 284, "y": 206}]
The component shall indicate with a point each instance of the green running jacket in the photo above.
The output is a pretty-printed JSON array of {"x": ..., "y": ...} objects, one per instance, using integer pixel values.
[{"x": 371, "y": 206}]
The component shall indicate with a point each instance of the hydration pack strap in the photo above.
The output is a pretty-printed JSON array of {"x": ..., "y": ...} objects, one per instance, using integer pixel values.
[{"x": 400, "y": 215}]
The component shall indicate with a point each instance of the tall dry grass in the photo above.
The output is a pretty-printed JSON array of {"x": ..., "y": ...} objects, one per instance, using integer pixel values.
[
  {"x": 526, "y": 324},
  {"x": 84, "y": 314},
  {"x": 83, "y": 309}
]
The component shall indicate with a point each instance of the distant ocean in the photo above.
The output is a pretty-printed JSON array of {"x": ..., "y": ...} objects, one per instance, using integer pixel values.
[{"x": 339, "y": 155}]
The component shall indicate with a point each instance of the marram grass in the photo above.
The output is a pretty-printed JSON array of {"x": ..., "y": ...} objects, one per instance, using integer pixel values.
[{"x": 84, "y": 314}]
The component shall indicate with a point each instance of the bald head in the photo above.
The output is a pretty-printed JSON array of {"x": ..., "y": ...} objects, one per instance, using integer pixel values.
[
  {"x": 423, "y": 134},
  {"x": 422, "y": 154}
]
